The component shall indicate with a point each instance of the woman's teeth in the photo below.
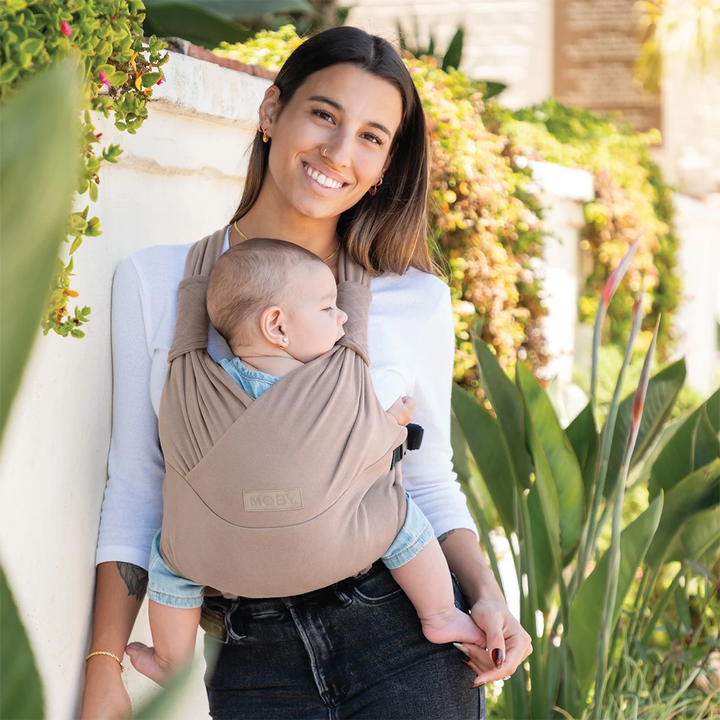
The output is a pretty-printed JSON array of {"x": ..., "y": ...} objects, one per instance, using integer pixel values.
[{"x": 320, "y": 179}]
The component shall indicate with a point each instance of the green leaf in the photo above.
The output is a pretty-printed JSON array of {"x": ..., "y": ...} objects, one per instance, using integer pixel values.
[
  {"x": 118, "y": 78},
  {"x": 697, "y": 492},
  {"x": 8, "y": 72},
  {"x": 583, "y": 437},
  {"x": 700, "y": 534},
  {"x": 453, "y": 56},
  {"x": 564, "y": 471},
  {"x": 507, "y": 404},
  {"x": 484, "y": 438},
  {"x": 237, "y": 9},
  {"x": 587, "y": 608},
  {"x": 32, "y": 46},
  {"x": 693, "y": 445},
  {"x": 194, "y": 23},
  {"x": 108, "y": 70},
  {"x": 39, "y": 147},
  {"x": 662, "y": 393},
  {"x": 493, "y": 89},
  {"x": 21, "y": 691},
  {"x": 149, "y": 79},
  {"x": 93, "y": 190}
]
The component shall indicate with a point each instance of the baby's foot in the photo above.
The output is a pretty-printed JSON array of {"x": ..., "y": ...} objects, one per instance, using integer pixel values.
[
  {"x": 451, "y": 626},
  {"x": 146, "y": 661}
]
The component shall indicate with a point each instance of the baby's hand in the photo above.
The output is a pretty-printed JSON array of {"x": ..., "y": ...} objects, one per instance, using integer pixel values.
[{"x": 402, "y": 409}]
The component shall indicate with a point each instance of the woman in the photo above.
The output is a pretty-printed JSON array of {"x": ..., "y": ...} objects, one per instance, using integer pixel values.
[{"x": 341, "y": 157}]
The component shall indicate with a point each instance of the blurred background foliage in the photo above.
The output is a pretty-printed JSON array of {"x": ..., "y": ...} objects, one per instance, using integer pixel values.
[
  {"x": 119, "y": 71},
  {"x": 486, "y": 217}
]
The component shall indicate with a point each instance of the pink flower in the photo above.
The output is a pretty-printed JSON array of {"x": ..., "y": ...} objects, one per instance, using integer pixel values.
[
  {"x": 65, "y": 28},
  {"x": 161, "y": 81},
  {"x": 98, "y": 135},
  {"x": 103, "y": 79}
]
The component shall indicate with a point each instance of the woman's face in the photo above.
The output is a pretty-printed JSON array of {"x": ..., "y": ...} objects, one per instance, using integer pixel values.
[{"x": 332, "y": 141}]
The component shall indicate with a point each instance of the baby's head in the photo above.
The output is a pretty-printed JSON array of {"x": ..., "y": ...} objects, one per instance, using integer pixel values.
[{"x": 266, "y": 293}]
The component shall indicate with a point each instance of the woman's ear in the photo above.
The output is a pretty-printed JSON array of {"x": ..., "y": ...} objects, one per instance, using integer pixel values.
[
  {"x": 272, "y": 328},
  {"x": 268, "y": 109}
]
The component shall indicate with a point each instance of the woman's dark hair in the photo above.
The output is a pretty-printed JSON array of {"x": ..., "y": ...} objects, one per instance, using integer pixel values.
[{"x": 386, "y": 232}]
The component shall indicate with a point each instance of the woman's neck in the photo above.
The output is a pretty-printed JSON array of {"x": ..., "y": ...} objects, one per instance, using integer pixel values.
[{"x": 271, "y": 216}]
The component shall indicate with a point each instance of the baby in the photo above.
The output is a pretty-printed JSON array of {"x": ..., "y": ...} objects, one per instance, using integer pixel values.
[{"x": 275, "y": 305}]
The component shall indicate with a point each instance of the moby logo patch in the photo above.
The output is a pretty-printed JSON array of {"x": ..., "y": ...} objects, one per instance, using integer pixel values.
[{"x": 272, "y": 500}]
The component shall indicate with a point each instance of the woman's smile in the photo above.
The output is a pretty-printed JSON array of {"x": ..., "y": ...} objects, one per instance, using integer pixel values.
[{"x": 323, "y": 179}]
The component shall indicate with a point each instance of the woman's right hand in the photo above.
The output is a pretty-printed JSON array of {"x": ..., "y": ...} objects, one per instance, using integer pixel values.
[{"x": 104, "y": 696}]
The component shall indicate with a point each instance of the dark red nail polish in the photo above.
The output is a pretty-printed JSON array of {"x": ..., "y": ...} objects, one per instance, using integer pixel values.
[{"x": 498, "y": 657}]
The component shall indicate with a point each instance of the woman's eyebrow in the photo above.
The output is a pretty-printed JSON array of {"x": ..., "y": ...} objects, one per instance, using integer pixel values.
[{"x": 340, "y": 108}]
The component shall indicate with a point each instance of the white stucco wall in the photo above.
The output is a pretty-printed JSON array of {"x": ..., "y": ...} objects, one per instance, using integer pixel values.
[{"x": 179, "y": 178}]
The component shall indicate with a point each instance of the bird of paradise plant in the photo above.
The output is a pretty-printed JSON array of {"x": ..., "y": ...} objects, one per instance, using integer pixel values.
[{"x": 555, "y": 490}]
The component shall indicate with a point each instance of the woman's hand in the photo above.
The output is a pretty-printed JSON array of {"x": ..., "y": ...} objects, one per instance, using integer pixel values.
[
  {"x": 506, "y": 642},
  {"x": 104, "y": 696}
]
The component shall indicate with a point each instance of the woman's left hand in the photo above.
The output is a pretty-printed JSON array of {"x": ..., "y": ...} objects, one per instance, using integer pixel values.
[{"x": 507, "y": 643}]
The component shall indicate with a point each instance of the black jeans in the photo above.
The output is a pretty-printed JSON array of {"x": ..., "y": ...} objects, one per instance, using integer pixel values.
[{"x": 351, "y": 650}]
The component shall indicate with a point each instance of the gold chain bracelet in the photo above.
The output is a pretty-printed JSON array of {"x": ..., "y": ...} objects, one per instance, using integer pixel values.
[{"x": 109, "y": 654}]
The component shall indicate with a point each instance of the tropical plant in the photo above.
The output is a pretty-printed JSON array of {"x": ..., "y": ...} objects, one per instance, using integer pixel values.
[
  {"x": 555, "y": 491},
  {"x": 39, "y": 147},
  {"x": 453, "y": 54},
  {"x": 119, "y": 68},
  {"x": 208, "y": 23}
]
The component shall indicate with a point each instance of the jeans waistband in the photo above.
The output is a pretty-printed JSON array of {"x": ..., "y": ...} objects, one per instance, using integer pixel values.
[{"x": 217, "y": 610}]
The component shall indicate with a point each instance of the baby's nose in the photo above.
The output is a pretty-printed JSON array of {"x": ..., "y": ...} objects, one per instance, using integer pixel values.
[{"x": 342, "y": 318}]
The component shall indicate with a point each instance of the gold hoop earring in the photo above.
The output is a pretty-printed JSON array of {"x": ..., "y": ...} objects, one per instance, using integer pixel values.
[
  {"x": 264, "y": 134},
  {"x": 373, "y": 188}
]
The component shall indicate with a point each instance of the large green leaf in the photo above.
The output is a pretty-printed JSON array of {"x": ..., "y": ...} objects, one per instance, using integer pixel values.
[
  {"x": 453, "y": 55},
  {"x": 662, "y": 393},
  {"x": 700, "y": 534},
  {"x": 39, "y": 151},
  {"x": 712, "y": 405},
  {"x": 677, "y": 459},
  {"x": 697, "y": 492},
  {"x": 39, "y": 164},
  {"x": 507, "y": 404},
  {"x": 194, "y": 23},
  {"x": 583, "y": 437},
  {"x": 21, "y": 693},
  {"x": 542, "y": 550},
  {"x": 587, "y": 608},
  {"x": 238, "y": 9},
  {"x": 565, "y": 474},
  {"x": 484, "y": 438}
]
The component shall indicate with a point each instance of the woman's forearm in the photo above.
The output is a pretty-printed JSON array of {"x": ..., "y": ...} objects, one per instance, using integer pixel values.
[
  {"x": 466, "y": 560},
  {"x": 119, "y": 591}
]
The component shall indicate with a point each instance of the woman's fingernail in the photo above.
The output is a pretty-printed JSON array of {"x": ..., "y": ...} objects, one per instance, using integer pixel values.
[
  {"x": 462, "y": 648},
  {"x": 475, "y": 687},
  {"x": 498, "y": 657}
]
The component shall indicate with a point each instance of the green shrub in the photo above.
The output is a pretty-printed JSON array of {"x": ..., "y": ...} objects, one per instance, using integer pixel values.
[
  {"x": 630, "y": 197},
  {"x": 119, "y": 72}
]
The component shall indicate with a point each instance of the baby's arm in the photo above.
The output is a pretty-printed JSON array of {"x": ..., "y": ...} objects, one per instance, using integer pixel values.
[{"x": 402, "y": 409}]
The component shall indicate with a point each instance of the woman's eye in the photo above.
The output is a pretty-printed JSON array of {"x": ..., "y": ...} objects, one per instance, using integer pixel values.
[
  {"x": 373, "y": 138},
  {"x": 323, "y": 115}
]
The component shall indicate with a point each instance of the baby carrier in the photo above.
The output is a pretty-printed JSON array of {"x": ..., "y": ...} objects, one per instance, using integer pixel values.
[{"x": 289, "y": 492}]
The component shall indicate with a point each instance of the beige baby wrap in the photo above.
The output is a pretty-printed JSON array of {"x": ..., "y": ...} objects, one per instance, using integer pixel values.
[{"x": 286, "y": 493}]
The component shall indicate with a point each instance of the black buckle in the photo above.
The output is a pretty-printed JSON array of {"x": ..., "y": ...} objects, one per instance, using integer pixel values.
[{"x": 412, "y": 442}]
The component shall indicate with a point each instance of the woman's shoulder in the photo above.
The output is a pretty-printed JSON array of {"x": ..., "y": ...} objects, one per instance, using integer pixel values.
[{"x": 158, "y": 262}]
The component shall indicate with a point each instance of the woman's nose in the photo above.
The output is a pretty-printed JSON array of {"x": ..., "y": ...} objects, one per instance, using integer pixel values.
[{"x": 339, "y": 151}]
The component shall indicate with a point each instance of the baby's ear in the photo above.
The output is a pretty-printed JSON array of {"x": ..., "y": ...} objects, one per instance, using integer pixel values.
[{"x": 271, "y": 324}]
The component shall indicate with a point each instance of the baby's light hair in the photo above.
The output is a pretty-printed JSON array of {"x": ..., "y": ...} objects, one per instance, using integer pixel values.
[{"x": 250, "y": 277}]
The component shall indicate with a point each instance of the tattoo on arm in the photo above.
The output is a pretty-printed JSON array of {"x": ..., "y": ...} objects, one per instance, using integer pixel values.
[
  {"x": 135, "y": 578},
  {"x": 445, "y": 536}
]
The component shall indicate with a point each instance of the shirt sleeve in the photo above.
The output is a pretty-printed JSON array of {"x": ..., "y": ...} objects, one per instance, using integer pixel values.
[
  {"x": 428, "y": 472},
  {"x": 132, "y": 504}
]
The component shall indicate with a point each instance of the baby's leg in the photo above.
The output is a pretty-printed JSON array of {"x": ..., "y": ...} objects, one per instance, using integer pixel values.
[
  {"x": 426, "y": 581},
  {"x": 173, "y": 632}
]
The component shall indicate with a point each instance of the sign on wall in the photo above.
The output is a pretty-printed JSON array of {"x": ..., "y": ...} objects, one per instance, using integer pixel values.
[{"x": 595, "y": 50}]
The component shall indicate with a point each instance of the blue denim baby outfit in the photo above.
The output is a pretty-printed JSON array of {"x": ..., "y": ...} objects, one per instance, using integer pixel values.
[{"x": 167, "y": 588}]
